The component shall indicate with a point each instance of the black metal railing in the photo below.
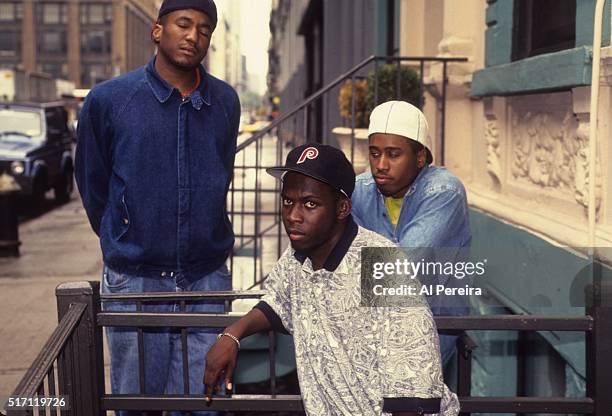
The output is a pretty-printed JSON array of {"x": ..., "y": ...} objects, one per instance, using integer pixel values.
[
  {"x": 70, "y": 365},
  {"x": 255, "y": 217},
  {"x": 76, "y": 345}
]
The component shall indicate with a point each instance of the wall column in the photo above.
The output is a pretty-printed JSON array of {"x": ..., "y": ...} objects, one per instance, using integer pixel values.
[
  {"x": 28, "y": 36},
  {"x": 74, "y": 43}
]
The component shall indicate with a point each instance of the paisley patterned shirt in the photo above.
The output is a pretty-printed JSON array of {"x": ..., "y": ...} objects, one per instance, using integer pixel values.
[{"x": 350, "y": 357}]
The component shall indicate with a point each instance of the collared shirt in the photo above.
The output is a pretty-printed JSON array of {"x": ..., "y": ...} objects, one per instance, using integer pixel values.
[
  {"x": 153, "y": 169},
  {"x": 350, "y": 357}
]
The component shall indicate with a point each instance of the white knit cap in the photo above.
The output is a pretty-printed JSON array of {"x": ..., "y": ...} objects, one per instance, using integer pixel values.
[{"x": 403, "y": 119}]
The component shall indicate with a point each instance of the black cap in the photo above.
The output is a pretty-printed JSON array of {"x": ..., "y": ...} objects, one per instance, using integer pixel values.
[
  {"x": 321, "y": 162},
  {"x": 205, "y": 6}
]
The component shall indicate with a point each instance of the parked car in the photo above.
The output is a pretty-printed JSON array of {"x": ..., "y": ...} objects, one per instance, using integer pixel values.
[{"x": 36, "y": 149}]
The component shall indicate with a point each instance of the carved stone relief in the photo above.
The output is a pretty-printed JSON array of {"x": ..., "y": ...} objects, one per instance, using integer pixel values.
[
  {"x": 582, "y": 180},
  {"x": 491, "y": 135},
  {"x": 550, "y": 149}
]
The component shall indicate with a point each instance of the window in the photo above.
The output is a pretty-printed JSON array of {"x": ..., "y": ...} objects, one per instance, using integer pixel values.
[
  {"x": 10, "y": 12},
  {"x": 10, "y": 43},
  {"x": 53, "y": 42},
  {"x": 96, "y": 13},
  {"x": 543, "y": 26},
  {"x": 56, "y": 69},
  {"x": 96, "y": 42},
  {"x": 56, "y": 122},
  {"x": 52, "y": 13},
  {"x": 93, "y": 73},
  {"x": 27, "y": 122}
]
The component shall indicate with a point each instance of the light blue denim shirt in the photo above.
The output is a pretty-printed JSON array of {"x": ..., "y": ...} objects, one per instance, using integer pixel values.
[{"x": 434, "y": 214}]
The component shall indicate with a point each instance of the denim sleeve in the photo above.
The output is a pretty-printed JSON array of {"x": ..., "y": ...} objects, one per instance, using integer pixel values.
[
  {"x": 355, "y": 210},
  {"x": 229, "y": 156},
  {"x": 439, "y": 223},
  {"x": 440, "y": 215},
  {"x": 92, "y": 161},
  {"x": 234, "y": 118}
]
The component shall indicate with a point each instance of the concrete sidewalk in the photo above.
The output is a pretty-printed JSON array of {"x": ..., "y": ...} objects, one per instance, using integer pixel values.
[{"x": 56, "y": 247}]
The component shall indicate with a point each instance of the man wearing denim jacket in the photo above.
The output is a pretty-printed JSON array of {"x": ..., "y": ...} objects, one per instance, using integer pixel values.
[
  {"x": 411, "y": 202},
  {"x": 154, "y": 161}
]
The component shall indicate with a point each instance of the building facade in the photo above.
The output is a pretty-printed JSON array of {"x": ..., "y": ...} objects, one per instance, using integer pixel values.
[
  {"x": 519, "y": 139},
  {"x": 83, "y": 41},
  {"x": 314, "y": 41},
  {"x": 225, "y": 59},
  {"x": 516, "y": 132}
]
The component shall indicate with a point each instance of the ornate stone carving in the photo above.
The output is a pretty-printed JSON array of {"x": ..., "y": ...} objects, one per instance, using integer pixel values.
[
  {"x": 581, "y": 180},
  {"x": 491, "y": 135},
  {"x": 550, "y": 149}
]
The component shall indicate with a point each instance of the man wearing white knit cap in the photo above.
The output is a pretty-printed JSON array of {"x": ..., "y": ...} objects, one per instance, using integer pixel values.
[{"x": 408, "y": 200}]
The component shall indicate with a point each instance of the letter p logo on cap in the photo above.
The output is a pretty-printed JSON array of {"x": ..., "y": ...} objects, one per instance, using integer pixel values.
[{"x": 308, "y": 153}]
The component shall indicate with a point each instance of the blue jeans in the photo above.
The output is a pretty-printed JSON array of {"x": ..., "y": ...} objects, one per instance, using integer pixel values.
[{"x": 162, "y": 346}]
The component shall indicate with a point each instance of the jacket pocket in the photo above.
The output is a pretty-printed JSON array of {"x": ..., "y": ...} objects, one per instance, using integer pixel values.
[
  {"x": 121, "y": 215},
  {"x": 125, "y": 218}
]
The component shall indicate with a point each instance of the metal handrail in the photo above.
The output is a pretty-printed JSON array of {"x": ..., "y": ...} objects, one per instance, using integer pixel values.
[
  {"x": 335, "y": 83},
  {"x": 443, "y": 323},
  {"x": 157, "y": 296},
  {"x": 287, "y": 403},
  {"x": 41, "y": 365},
  {"x": 267, "y": 403},
  {"x": 79, "y": 337}
]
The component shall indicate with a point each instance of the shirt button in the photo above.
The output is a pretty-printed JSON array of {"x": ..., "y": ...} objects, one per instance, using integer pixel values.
[
  {"x": 126, "y": 221},
  {"x": 163, "y": 274}
]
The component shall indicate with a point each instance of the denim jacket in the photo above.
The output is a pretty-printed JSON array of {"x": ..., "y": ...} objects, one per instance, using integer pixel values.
[
  {"x": 153, "y": 170},
  {"x": 434, "y": 212}
]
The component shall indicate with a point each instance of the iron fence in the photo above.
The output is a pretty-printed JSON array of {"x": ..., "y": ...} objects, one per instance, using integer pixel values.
[{"x": 74, "y": 354}]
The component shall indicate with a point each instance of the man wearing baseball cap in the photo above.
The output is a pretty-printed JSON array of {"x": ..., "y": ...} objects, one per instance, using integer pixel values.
[
  {"x": 409, "y": 201},
  {"x": 154, "y": 161},
  {"x": 349, "y": 357}
]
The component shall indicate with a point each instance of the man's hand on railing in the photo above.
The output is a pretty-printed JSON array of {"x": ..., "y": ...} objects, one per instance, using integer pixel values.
[
  {"x": 220, "y": 361},
  {"x": 222, "y": 356}
]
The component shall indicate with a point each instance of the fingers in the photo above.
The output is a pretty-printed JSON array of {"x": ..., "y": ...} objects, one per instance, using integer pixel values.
[
  {"x": 209, "y": 384},
  {"x": 219, "y": 360},
  {"x": 229, "y": 376},
  {"x": 212, "y": 386}
]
